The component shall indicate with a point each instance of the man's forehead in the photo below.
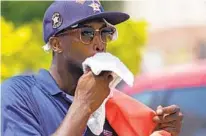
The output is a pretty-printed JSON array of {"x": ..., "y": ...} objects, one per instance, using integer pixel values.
[{"x": 97, "y": 21}]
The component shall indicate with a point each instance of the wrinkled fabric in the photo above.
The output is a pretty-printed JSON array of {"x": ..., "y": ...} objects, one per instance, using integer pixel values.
[
  {"x": 105, "y": 62},
  {"x": 34, "y": 106},
  {"x": 129, "y": 117}
]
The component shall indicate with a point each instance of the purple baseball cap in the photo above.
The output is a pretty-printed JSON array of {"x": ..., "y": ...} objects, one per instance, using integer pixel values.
[{"x": 63, "y": 14}]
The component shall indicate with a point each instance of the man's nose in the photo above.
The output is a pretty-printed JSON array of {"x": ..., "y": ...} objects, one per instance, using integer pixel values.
[
  {"x": 98, "y": 44},
  {"x": 99, "y": 47}
]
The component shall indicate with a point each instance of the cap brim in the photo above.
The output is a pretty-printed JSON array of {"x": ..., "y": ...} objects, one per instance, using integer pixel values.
[{"x": 113, "y": 18}]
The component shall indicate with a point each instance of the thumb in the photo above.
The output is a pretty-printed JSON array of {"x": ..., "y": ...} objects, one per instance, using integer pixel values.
[
  {"x": 87, "y": 69},
  {"x": 161, "y": 133},
  {"x": 159, "y": 107},
  {"x": 159, "y": 110},
  {"x": 110, "y": 78}
]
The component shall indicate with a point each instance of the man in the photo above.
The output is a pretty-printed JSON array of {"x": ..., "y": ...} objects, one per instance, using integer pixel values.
[{"x": 43, "y": 104}]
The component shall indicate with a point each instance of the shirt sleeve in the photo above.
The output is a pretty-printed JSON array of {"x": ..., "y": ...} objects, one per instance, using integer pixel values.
[{"x": 17, "y": 117}]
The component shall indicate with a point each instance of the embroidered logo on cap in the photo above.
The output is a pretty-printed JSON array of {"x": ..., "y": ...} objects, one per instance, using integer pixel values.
[
  {"x": 95, "y": 5},
  {"x": 56, "y": 20}
]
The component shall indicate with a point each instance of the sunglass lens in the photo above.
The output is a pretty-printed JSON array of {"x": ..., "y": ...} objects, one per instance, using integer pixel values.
[
  {"x": 107, "y": 34},
  {"x": 87, "y": 35}
]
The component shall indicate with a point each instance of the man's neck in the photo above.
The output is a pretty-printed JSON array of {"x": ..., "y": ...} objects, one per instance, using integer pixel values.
[{"x": 66, "y": 75}]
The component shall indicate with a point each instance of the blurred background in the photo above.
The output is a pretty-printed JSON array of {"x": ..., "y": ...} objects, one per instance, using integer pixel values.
[{"x": 163, "y": 44}]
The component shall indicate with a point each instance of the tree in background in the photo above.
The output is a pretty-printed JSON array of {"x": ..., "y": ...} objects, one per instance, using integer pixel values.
[
  {"x": 22, "y": 51},
  {"x": 21, "y": 12},
  {"x": 130, "y": 43},
  {"x": 21, "y": 48}
]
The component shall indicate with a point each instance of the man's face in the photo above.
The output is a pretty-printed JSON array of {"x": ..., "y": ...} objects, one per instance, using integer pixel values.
[{"x": 83, "y": 42}]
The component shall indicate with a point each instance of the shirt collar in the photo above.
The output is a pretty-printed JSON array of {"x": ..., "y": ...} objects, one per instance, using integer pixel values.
[{"x": 48, "y": 82}]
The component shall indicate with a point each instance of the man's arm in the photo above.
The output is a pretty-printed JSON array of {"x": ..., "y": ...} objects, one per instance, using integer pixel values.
[
  {"x": 75, "y": 121},
  {"x": 89, "y": 95}
]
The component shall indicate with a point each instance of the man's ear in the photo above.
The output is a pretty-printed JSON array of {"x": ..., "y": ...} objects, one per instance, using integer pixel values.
[{"x": 55, "y": 44}]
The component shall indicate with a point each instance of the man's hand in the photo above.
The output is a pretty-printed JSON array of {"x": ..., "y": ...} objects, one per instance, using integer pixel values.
[
  {"x": 169, "y": 119},
  {"x": 92, "y": 90}
]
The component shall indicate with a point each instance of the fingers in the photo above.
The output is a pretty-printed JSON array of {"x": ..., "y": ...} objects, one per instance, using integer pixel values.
[
  {"x": 173, "y": 127},
  {"x": 171, "y": 109},
  {"x": 172, "y": 131},
  {"x": 86, "y": 75},
  {"x": 106, "y": 75},
  {"x": 167, "y": 110},
  {"x": 172, "y": 117},
  {"x": 159, "y": 110},
  {"x": 87, "y": 69},
  {"x": 168, "y": 118},
  {"x": 171, "y": 123},
  {"x": 165, "y": 125},
  {"x": 109, "y": 77}
]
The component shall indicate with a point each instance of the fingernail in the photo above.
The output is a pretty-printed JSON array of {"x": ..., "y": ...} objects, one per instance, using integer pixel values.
[
  {"x": 160, "y": 106},
  {"x": 159, "y": 111}
]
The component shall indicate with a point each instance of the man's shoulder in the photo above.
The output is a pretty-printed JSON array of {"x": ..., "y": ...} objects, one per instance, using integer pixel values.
[{"x": 17, "y": 84}]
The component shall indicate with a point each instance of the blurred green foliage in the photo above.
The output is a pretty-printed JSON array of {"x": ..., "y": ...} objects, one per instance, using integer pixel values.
[
  {"x": 130, "y": 43},
  {"x": 21, "y": 12},
  {"x": 21, "y": 48},
  {"x": 22, "y": 40}
]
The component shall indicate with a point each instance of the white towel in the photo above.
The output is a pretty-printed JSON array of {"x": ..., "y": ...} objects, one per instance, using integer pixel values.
[{"x": 106, "y": 62}]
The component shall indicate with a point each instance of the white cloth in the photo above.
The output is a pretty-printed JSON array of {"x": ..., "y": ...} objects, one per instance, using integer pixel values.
[{"x": 106, "y": 62}]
